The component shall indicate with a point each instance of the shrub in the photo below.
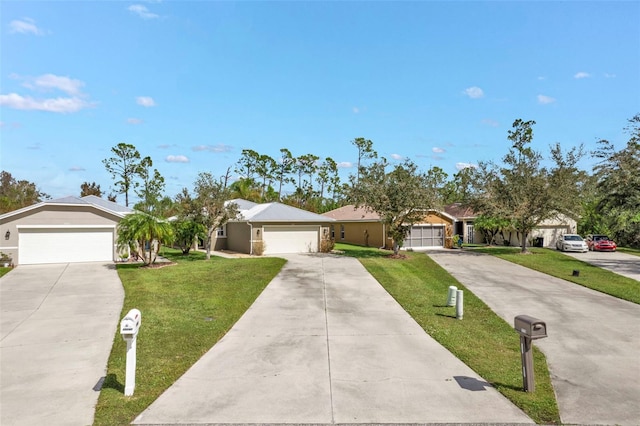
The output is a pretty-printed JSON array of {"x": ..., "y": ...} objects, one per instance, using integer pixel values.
[
  {"x": 326, "y": 245},
  {"x": 259, "y": 247}
]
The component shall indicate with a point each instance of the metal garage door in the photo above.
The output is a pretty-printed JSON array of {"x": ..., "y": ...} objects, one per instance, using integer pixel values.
[
  {"x": 62, "y": 245},
  {"x": 291, "y": 239},
  {"x": 425, "y": 236}
]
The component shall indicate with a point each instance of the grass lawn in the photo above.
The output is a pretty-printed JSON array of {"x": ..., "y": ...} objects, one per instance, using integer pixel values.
[
  {"x": 4, "y": 271},
  {"x": 628, "y": 250},
  {"x": 482, "y": 340},
  {"x": 186, "y": 308},
  {"x": 557, "y": 264}
]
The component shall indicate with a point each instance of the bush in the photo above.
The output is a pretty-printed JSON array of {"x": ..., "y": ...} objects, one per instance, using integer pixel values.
[
  {"x": 326, "y": 245},
  {"x": 259, "y": 247}
]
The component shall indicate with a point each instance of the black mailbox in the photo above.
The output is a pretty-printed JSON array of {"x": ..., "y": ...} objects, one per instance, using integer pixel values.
[{"x": 530, "y": 327}]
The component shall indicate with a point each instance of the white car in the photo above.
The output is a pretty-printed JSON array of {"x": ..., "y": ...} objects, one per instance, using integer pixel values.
[{"x": 572, "y": 242}]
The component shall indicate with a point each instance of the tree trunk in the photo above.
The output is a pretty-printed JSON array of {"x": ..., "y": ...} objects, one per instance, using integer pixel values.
[
  {"x": 207, "y": 245},
  {"x": 524, "y": 242}
]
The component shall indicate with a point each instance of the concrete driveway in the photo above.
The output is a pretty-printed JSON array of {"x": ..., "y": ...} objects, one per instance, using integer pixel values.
[
  {"x": 57, "y": 324},
  {"x": 325, "y": 344},
  {"x": 624, "y": 264},
  {"x": 594, "y": 339}
]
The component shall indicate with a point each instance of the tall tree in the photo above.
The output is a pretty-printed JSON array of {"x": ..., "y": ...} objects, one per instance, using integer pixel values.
[
  {"x": 619, "y": 185},
  {"x": 284, "y": 168},
  {"x": 247, "y": 189},
  {"x": 265, "y": 169},
  {"x": 150, "y": 188},
  {"x": 90, "y": 189},
  {"x": 523, "y": 191},
  {"x": 16, "y": 194},
  {"x": 401, "y": 196},
  {"x": 365, "y": 151},
  {"x": 246, "y": 165},
  {"x": 327, "y": 174},
  {"x": 124, "y": 167},
  {"x": 212, "y": 196}
]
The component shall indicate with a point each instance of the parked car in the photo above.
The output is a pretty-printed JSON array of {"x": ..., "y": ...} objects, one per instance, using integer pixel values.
[
  {"x": 572, "y": 242},
  {"x": 600, "y": 243}
]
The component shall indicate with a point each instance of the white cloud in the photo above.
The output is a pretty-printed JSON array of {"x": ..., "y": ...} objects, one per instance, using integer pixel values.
[
  {"x": 582, "y": 74},
  {"x": 145, "y": 101},
  {"x": 177, "y": 159},
  {"x": 474, "y": 92},
  {"x": 61, "y": 105},
  {"x": 345, "y": 165},
  {"x": 541, "y": 78},
  {"x": 607, "y": 75},
  {"x": 397, "y": 157},
  {"x": 77, "y": 169},
  {"x": 542, "y": 99},
  {"x": 134, "y": 120},
  {"x": 50, "y": 81},
  {"x": 142, "y": 11},
  {"x": 438, "y": 150},
  {"x": 24, "y": 26},
  {"x": 213, "y": 148},
  {"x": 490, "y": 122},
  {"x": 356, "y": 110},
  {"x": 461, "y": 166}
]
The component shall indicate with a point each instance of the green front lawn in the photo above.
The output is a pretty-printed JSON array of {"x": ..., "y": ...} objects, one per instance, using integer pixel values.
[
  {"x": 557, "y": 264},
  {"x": 482, "y": 340},
  {"x": 4, "y": 271},
  {"x": 628, "y": 250},
  {"x": 186, "y": 308}
]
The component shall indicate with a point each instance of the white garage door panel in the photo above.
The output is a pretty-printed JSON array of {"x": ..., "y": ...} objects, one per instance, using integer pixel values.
[
  {"x": 293, "y": 239},
  {"x": 65, "y": 245}
]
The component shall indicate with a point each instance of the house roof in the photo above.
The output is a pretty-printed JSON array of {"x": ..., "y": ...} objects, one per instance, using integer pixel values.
[
  {"x": 278, "y": 212},
  {"x": 459, "y": 211},
  {"x": 243, "y": 205},
  {"x": 350, "y": 212},
  {"x": 89, "y": 200}
]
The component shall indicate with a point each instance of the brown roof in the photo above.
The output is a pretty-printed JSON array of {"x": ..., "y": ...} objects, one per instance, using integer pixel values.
[
  {"x": 459, "y": 211},
  {"x": 350, "y": 212}
]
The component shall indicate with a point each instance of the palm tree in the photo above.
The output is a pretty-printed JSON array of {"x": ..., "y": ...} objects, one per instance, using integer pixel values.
[{"x": 143, "y": 234}]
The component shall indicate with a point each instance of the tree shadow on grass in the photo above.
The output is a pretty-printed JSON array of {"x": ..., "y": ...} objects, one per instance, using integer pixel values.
[{"x": 111, "y": 382}]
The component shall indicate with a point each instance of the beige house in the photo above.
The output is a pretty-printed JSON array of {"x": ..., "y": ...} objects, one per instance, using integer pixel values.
[
  {"x": 69, "y": 229},
  {"x": 272, "y": 228},
  {"x": 359, "y": 226}
]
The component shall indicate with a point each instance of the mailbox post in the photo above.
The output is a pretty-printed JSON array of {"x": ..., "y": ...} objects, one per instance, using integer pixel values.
[
  {"x": 529, "y": 328},
  {"x": 129, "y": 327}
]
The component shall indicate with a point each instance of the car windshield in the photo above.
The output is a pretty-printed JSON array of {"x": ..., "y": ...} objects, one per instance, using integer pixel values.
[
  {"x": 572, "y": 238},
  {"x": 600, "y": 238}
]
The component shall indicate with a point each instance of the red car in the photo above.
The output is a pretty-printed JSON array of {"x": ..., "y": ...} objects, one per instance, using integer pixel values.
[{"x": 600, "y": 243}]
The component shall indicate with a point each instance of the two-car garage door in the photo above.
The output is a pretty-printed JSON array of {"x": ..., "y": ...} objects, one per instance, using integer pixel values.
[
  {"x": 291, "y": 239},
  {"x": 62, "y": 245}
]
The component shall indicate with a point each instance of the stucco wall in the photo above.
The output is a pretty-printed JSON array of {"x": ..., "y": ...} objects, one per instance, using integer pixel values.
[
  {"x": 239, "y": 237},
  {"x": 369, "y": 234}
]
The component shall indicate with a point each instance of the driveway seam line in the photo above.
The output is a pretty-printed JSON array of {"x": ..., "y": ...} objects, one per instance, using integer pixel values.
[{"x": 326, "y": 327}]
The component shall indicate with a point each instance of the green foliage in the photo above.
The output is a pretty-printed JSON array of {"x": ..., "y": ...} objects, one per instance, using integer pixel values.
[
  {"x": 124, "y": 167},
  {"x": 144, "y": 235},
  {"x": 491, "y": 226},
  {"x": 523, "y": 191},
  {"x": 16, "y": 194},
  {"x": 401, "y": 197},
  {"x": 619, "y": 186},
  {"x": 151, "y": 189},
  {"x": 186, "y": 232},
  {"x": 483, "y": 341},
  {"x": 90, "y": 189}
]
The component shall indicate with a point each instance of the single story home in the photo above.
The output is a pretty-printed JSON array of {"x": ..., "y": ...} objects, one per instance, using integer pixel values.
[
  {"x": 69, "y": 229},
  {"x": 363, "y": 227},
  {"x": 272, "y": 228}
]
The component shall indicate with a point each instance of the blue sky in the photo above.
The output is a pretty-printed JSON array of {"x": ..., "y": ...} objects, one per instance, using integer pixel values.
[{"x": 192, "y": 84}]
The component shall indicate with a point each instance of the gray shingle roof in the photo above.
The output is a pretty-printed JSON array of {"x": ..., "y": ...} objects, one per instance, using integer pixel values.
[
  {"x": 89, "y": 200},
  {"x": 278, "y": 212}
]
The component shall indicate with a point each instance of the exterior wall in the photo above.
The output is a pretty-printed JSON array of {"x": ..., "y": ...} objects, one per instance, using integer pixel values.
[
  {"x": 370, "y": 234},
  {"x": 52, "y": 217},
  {"x": 239, "y": 237},
  {"x": 258, "y": 229}
]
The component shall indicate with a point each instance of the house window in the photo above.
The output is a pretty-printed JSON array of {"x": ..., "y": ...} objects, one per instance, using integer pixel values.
[
  {"x": 333, "y": 232},
  {"x": 222, "y": 232},
  {"x": 342, "y": 232}
]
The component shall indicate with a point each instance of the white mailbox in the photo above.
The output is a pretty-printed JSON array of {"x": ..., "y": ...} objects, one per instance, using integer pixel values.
[
  {"x": 130, "y": 324},
  {"x": 129, "y": 327}
]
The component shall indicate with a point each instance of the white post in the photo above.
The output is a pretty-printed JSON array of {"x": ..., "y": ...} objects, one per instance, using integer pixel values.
[
  {"x": 130, "y": 377},
  {"x": 451, "y": 296},
  {"x": 459, "y": 304}
]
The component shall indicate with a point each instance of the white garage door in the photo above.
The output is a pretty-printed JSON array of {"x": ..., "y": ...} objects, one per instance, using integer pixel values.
[
  {"x": 62, "y": 245},
  {"x": 425, "y": 236},
  {"x": 291, "y": 239}
]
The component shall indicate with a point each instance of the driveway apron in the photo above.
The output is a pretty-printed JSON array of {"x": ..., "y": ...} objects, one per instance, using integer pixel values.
[
  {"x": 623, "y": 264},
  {"x": 594, "y": 339},
  {"x": 325, "y": 343},
  {"x": 57, "y": 327}
]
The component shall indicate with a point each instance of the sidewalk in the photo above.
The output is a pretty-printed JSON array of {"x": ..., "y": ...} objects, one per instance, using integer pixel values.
[
  {"x": 593, "y": 347},
  {"x": 325, "y": 343}
]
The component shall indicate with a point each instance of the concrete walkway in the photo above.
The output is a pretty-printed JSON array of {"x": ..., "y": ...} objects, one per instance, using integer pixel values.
[
  {"x": 57, "y": 325},
  {"x": 593, "y": 348},
  {"x": 325, "y": 343}
]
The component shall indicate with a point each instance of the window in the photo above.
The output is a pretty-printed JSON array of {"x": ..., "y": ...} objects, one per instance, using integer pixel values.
[
  {"x": 342, "y": 232},
  {"x": 333, "y": 232},
  {"x": 222, "y": 232}
]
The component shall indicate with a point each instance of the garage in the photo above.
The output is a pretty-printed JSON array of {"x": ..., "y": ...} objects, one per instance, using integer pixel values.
[
  {"x": 291, "y": 239},
  {"x": 421, "y": 236},
  {"x": 64, "y": 245}
]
